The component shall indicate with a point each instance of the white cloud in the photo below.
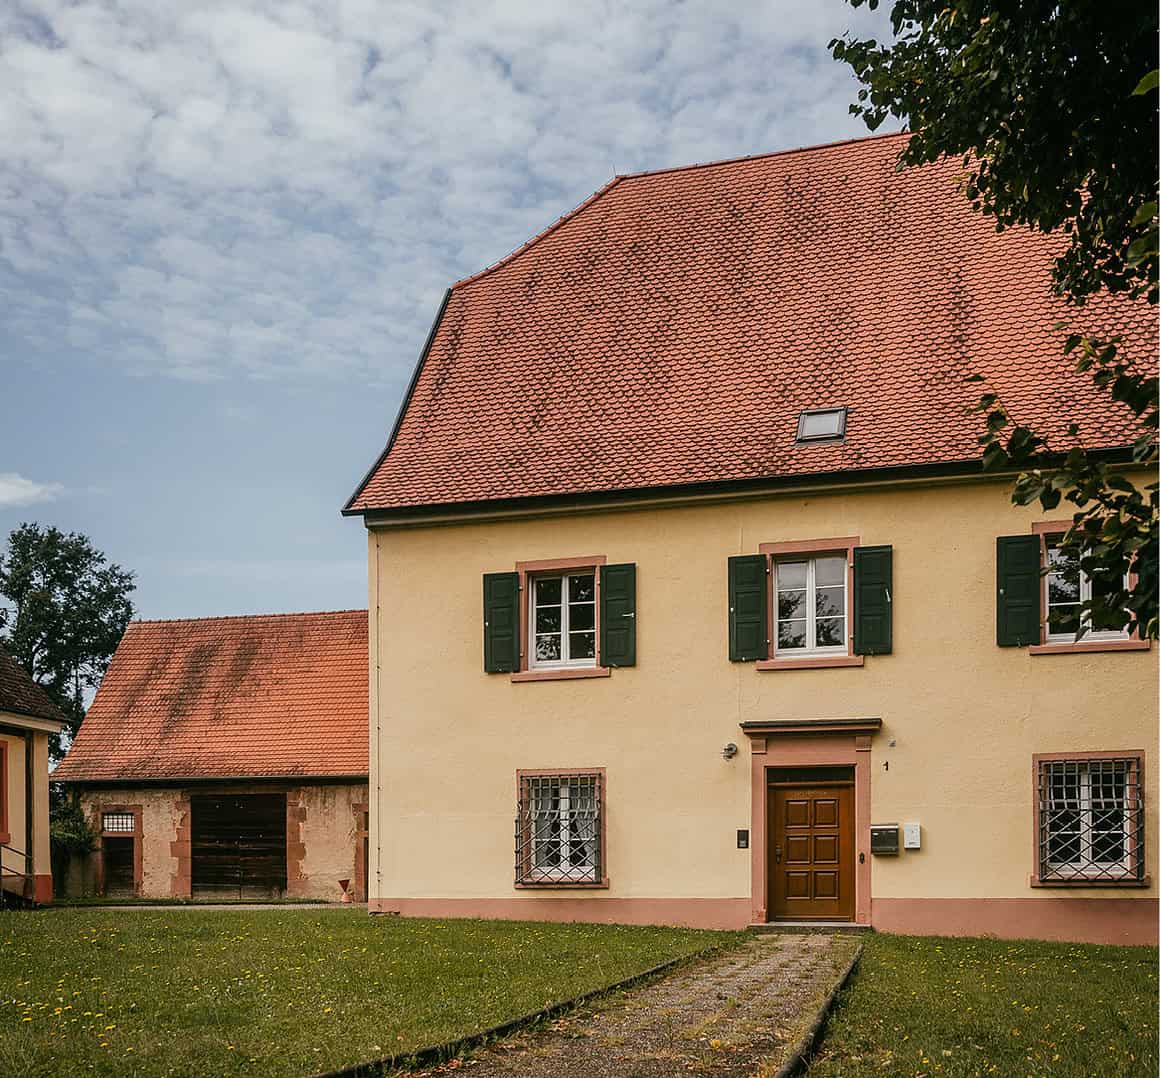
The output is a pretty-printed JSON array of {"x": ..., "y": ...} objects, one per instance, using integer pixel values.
[
  {"x": 17, "y": 491},
  {"x": 283, "y": 189}
]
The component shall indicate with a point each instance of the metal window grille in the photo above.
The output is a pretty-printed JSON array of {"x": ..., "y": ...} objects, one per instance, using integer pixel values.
[
  {"x": 121, "y": 822},
  {"x": 559, "y": 834},
  {"x": 1091, "y": 820}
]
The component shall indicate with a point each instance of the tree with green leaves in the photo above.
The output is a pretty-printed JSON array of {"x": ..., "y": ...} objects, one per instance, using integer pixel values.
[
  {"x": 64, "y": 609},
  {"x": 1053, "y": 109}
]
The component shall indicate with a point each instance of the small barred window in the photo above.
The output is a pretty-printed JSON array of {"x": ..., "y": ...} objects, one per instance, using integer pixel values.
[
  {"x": 1091, "y": 820},
  {"x": 118, "y": 822},
  {"x": 559, "y": 832}
]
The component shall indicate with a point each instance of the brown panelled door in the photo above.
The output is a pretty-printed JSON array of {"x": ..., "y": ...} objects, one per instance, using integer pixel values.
[{"x": 811, "y": 851}]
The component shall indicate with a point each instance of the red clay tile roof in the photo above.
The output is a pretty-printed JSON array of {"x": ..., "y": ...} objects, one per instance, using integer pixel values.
[
  {"x": 672, "y": 328},
  {"x": 20, "y": 695},
  {"x": 279, "y": 694}
]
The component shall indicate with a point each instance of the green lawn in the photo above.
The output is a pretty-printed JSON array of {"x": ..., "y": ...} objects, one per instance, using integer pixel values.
[
  {"x": 284, "y": 992},
  {"x": 994, "y": 1007}
]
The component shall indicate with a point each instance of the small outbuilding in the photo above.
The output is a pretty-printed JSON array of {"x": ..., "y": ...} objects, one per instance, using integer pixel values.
[
  {"x": 27, "y": 717},
  {"x": 226, "y": 758}
]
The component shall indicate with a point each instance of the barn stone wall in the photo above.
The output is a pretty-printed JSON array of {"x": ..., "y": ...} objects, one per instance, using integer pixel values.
[{"x": 324, "y": 837}]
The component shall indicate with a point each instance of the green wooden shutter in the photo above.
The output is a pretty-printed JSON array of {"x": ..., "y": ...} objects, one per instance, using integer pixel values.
[
  {"x": 618, "y": 615},
  {"x": 873, "y": 600},
  {"x": 748, "y": 637},
  {"x": 501, "y": 622},
  {"x": 1019, "y": 589}
]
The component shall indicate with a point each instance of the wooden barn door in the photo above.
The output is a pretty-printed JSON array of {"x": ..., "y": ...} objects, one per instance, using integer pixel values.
[{"x": 238, "y": 845}]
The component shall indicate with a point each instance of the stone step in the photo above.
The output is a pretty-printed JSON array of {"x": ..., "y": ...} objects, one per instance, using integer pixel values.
[{"x": 798, "y": 927}]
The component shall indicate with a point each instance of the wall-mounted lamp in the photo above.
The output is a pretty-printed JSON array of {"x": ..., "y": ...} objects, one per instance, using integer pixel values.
[{"x": 729, "y": 751}]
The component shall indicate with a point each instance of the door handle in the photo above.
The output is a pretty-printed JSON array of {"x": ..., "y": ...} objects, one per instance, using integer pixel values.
[{"x": 777, "y": 854}]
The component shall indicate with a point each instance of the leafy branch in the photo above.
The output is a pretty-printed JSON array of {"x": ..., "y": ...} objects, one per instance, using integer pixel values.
[{"x": 1113, "y": 534}]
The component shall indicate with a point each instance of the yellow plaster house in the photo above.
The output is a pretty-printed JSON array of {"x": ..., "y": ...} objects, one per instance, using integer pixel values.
[
  {"x": 689, "y": 601},
  {"x": 27, "y": 718}
]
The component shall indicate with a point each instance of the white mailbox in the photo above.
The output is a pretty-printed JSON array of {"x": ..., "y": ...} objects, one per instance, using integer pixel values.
[{"x": 912, "y": 836}]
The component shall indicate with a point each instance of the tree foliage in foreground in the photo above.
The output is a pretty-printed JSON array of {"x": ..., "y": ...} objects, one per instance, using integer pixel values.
[
  {"x": 1053, "y": 109},
  {"x": 65, "y": 609}
]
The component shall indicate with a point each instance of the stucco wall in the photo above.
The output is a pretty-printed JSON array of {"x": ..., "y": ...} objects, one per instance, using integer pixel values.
[
  {"x": 322, "y": 844},
  {"x": 965, "y": 715},
  {"x": 17, "y": 809},
  {"x": 13, "y": 862}
]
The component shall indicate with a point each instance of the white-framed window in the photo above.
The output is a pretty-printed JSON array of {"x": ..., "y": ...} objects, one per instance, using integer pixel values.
[
  {"x": 1090, "y": 819},
  {"x": 558, "y": 829},
  {"x": 810, "y": 605},
  {"x": 1068, "y": 588},
  {"x": 562, "y": 617}
]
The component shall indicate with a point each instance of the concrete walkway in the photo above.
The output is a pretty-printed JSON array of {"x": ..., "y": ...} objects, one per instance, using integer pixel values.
[{"x": 739, "y": 1014}]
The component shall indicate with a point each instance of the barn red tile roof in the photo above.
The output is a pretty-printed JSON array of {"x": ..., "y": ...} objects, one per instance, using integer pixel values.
[
  {"x": 20, "y": 695},
  {"x": 671, "y": 329},
  {"x": 279, "y": 694}
]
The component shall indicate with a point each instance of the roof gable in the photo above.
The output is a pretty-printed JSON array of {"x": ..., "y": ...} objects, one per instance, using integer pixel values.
[
  {"x": 274, "y": 695},
  {"x": 672, "y": 329}
]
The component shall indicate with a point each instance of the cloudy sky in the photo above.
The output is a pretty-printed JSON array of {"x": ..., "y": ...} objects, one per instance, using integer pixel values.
[{"x": 225, "y": 229}]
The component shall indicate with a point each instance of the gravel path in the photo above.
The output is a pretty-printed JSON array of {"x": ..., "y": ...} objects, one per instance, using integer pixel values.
[{"x": 737, "y": 1014}]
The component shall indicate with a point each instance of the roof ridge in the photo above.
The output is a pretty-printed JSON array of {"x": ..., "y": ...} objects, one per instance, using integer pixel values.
[
  {"x": 539, "y": 235},
  {"x": 659, "y": 172},
  {"x": 247, "y": 617},
  {"x": 762, "y": 156}
]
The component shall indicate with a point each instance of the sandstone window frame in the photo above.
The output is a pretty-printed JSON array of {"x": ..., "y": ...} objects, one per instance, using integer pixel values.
[
  {"x": 1065, "y": 643},
  {"x": 1068, "y": 813},
  {"x": 537, "y": 834}
]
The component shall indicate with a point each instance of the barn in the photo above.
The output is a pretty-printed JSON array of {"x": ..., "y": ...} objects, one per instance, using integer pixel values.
[{"x": 226, "y": 758}]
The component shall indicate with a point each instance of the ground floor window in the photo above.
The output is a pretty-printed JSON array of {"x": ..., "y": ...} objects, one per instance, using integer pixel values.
[
  {"x": 559, "y": 831},
  {"x": 1090, "y": 819}
]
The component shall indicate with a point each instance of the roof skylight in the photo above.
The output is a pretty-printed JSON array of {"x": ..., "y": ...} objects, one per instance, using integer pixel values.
[{"x": 821, "y": 425}]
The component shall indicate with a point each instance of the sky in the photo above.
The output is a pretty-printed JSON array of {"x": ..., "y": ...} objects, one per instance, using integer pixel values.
[{"x": 225, "y": 229}]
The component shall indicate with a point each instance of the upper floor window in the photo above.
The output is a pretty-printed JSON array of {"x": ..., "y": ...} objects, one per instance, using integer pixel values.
[
  {"x": 1090, "y": 819},
  {"x": 563, "y": 619},
  {"x": 560, "y": 618},
  {"x": 811, "y": 602},
  {"x": 1068, "y": 588},
  {"x": 1040, "y": 595},
  {"x": 811, "y": 605}
]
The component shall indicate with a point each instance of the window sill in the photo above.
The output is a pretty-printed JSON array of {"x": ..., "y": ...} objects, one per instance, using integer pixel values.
[
  {"x": 1089, "y": 645},
  {"x": 1066, "y": 884},
  {"x": 813, "y": 661},
  {"x": 563, "y": 674},
  {"x": 562, "y": 885}
]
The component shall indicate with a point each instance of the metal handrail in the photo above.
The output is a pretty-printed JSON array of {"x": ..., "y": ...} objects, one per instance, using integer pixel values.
[{"x": 26, "y": 889}]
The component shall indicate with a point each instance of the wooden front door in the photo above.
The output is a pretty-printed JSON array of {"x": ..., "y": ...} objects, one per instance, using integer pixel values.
[{"x": 811, "y": 852}]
